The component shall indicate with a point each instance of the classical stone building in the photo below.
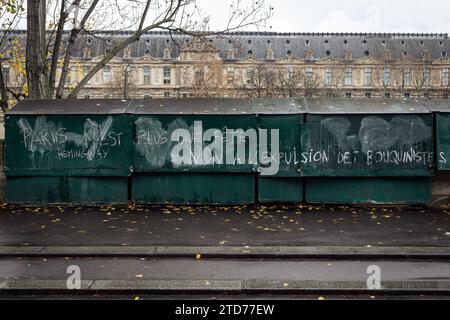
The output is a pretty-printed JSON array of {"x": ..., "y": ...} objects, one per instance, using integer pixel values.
[{"x": 260, "y": 64}]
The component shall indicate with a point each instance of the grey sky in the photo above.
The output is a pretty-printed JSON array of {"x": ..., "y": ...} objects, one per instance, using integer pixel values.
[
  {"x": 351, "y": 15},
  {"x": 431, "y": 16}
]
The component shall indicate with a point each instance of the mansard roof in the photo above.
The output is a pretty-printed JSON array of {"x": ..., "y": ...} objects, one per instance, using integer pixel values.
[{"x": 323, "y": 45}]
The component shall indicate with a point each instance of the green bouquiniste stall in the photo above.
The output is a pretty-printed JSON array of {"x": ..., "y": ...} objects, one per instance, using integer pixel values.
[
  {"x": 367, "y": 151},
  {"x": 220, "y": 151},
  {"x": 156, "y": 179},
  {"x": 441, "y": 111},
  {"x": 63, "y": 151}
]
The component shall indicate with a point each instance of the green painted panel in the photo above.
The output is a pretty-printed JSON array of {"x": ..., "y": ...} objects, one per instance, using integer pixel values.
[
  {"x": 287, "y": 190},
  {"x": 157, "y": 143},
  {"x": 443, "y": 140},
  {"x": 68, "y": 145},
  {"x": 194, "y": 188},
  {"x": 367, "y": 145},
  {"x": 289, "y": 127},
  {"x": 368, "y": 190},
  {"x": 86, "y": 190}
]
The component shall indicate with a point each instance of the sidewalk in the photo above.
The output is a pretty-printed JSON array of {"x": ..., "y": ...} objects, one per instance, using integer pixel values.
[{"x": 237, "y": 226}]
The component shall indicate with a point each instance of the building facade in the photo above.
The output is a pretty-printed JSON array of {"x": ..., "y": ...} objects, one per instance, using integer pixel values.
[{"x": 259, "y": 64}]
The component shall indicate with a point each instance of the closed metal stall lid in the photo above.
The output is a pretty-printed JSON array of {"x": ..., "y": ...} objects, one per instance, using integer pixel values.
[
  {"x": 365, "y": 106},
  {"x": 216, "y": 106},
  {"x": 69, "y": 107}
]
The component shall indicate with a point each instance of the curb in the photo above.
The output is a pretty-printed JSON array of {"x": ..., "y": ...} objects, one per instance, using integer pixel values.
[
  {"x": 226, "y": 286},
  {"x": 229, "y": 252}
]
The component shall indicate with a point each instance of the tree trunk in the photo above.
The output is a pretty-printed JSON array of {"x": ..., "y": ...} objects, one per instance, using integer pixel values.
[
  {"x": 3, "y": 91},
  {"x": 36, "y": 58},
  {"x": 68, "y": 55},
  {"x": 56, "y": 49}
]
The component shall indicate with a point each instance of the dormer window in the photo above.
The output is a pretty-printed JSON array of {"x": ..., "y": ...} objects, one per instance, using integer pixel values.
[
  {"x": 230, "y": 54},
  {"x": 366, "y": 53},
  {"x": 444, "y": 54},
  {"x": 345, "y": 42},
  {"x": 403, "y": 43},
  {"x": 307, "y": 43},
  {"x": 348, "y": 55},
  {"x": 289, "y": 53},
  {"x": 383, "y": 43},
  {"x": 127, "y": 53},
  {"x": 86, "y": 53},
  {"x": 422, "y": 43},
  {"x": 387, "y": 55},
  {"x": 269, "y": 54},
  {"x": 288, "y": 42},
  {"x": 167, "y": 52},
  {"x": 441, "y": 44},
  {"x": 328, "y": 53},
  {"x": 426, "y": 55},
  {"x": 250, "y": 52}
]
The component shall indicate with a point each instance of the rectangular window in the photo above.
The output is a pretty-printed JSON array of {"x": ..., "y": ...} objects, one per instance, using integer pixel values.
[
  {"x": 147, "y": 75},
  {"x": 289, "y": 73},
  {"x": 166, "y": 75},
  {"x": 166, "y": 94},
  {"x": 387, "y": 77},
  {"x": 348, "y": 80},
  {"x": 407, "y": 77},
  {"x": 309, "y": 73},
  {"x": 86, "y": 70},
  {"x": 445, "y": 77},
  {"x": 387, "y": 95},
  {"x": 71, "y": 75},
  {"x": 6, "y": 77},
  {"x": 407, "y": 95},
  {"x": 328, "y": 77},
  {"x": 368, "y": 95},
  {"x": 106, "y": 73},
  {"x": 348, "y": 95},
  {"x": 368, "y": 76},
  {"x": 249, "y": 75},
  {"x": 230, "y": 72},
  {"x": 426, "y": 75}
]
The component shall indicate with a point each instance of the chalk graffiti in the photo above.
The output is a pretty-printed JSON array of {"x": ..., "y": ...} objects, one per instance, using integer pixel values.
[
  {"x": 182, "y": 145},
  {"x": 442, "y": 158},
  {"x": 45, "y": 137},
  {"x": 401, "y": 141}
]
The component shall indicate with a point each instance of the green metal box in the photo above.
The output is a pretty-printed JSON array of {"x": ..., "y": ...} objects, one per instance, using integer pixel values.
[
  {"x": 385, "y": 144},
  {"x": 443, "y": 140},
  {"x": 60, "y": 151},
  {"x": 187, "y": 151},
  {"x": 441, "y": 110},
  {"x": 286, "y": 116},
  {"x": 374, "y": 190}
]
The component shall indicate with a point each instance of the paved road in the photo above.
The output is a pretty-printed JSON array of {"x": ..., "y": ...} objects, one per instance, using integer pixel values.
[
  {"x": 210, "y": 269},
  {"x": 224, "y": 226}
]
